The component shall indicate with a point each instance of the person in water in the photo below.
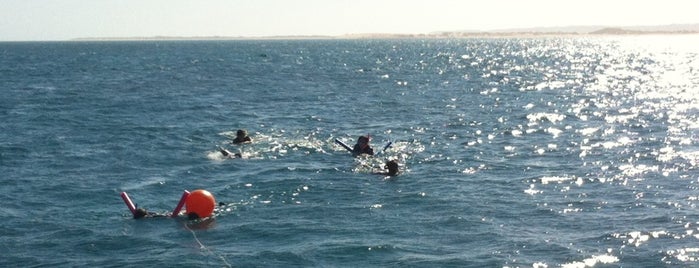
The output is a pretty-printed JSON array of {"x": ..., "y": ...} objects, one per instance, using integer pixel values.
[
  {"x": 143, "y": 213},
  {"x": 194, "y": 215},
  {"x": 392, "y": 167},
  {"x": 228, "y": 153},
  {"x": 362, "y": 146},
  {"x": 241, "y": 136}
]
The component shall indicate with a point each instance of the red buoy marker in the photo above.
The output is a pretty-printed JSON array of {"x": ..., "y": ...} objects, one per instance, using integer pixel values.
[{"x": 201, "y": 203}]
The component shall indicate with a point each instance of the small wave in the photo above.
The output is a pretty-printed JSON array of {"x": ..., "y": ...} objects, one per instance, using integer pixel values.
[
  {"x": 592, "y": 261},
  {"x": 685, "y": 255},
  {"x": 557, "y": 179}
]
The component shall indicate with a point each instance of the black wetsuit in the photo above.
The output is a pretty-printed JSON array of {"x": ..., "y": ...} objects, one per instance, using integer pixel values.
[
  {"x": 362, "y": 149},
  {"x": 243, "y": 140},
  {"x": 142, "y": 213}
]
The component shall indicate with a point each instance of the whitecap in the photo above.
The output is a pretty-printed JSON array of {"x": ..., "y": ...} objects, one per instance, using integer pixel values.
[
  {"x": 539, "y": 265},
  {"x": 685, "y": 254},
  {"x": 554, "y": 131},
  {"x": 592, "y": 261},
  {"x": 631, "y": 170},
  {"x": 588, "y": 131},
  {"x": 547, "y": 179}
]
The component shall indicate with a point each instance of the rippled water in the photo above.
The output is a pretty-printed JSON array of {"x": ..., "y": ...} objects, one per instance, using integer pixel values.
[{"x": 542, "y": 152}]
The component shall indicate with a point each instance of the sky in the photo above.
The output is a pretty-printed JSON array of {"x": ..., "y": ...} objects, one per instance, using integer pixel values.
[{"x": 35, "y": 20}]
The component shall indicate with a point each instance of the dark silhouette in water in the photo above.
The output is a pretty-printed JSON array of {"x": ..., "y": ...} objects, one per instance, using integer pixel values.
[
  {"x": 392, "y": 167},
  {"x": 362, "y": 146},
  {"x": 241, "y": 136}
]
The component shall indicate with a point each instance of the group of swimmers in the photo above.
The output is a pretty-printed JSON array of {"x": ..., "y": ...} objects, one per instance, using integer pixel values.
[{"x": 362, "y": 146}]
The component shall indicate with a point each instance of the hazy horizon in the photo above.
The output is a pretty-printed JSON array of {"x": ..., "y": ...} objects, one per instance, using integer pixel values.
[{"x": 71, "y": 19}]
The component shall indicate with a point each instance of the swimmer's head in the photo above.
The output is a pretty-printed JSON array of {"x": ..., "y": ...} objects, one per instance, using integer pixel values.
[
  {"x": 392, "y": 167},
  {"x": 242, "y": 133},
  {"x": 140, "y": 213},
  {"x": 192, "y": 216},
  {"x": 363, "y": 139}
]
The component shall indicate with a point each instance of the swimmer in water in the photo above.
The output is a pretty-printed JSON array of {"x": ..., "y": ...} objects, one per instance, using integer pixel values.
[
  {"x": 362, "y": 146},
  {"x": 392, "y": 167},
  {"x": 143, "y": 213},
  {"x": 194, "y": 216},
  {"x": 228, "y": 153},
  {"x": 241, "y": 136}
]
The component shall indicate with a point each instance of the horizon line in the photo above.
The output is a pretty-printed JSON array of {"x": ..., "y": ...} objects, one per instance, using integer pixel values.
[{"x": 572, "y": 30}]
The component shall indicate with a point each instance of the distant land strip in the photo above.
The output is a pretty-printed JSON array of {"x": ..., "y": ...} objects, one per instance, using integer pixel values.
[{"x": 571, "y": 31}]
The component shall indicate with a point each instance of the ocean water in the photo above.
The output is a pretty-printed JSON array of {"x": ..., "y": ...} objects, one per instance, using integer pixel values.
[{"x": 533, "y": 152}]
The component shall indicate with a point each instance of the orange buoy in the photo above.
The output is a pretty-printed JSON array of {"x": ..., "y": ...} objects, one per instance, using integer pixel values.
[{"x": 201, "y": 203}]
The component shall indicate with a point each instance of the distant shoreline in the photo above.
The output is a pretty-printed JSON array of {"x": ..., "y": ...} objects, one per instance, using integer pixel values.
[
  {"x": 568, "y": 31},
  {"x": 450, "y": 35},
  {"x": 571, "y": 31}
]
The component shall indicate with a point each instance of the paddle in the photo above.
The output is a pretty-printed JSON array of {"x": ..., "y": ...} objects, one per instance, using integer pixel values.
[
  {"x": 384, "y": 148},
  {"x": 344, "y": 145}
]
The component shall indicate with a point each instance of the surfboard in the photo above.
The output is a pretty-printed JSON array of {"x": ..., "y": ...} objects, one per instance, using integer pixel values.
[{"x": 344, "y": 145}]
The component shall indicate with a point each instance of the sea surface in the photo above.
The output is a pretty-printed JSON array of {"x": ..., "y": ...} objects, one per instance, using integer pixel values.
[{"x": 514, "y": 152}]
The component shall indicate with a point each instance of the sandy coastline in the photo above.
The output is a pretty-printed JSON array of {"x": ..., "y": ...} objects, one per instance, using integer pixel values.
[
  {"x": 380, "y": 36},
  {"x": 572, "y": 31}
]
